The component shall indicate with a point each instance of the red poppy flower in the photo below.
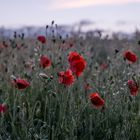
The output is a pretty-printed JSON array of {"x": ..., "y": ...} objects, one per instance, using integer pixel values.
[
  {"x": 133, "y": 87},
  {"x": 45, "y": 61},
  {"x": 20, "y": 83},
  {"x": 78, "y": 67},
  {"x": 42, "y": 39},
  {"x": 130, "y": 56},
  {"x": 74, "y": 56},
  {"x": 66, "y": 77},
  {"x": 3, "y": 108},
  {"x": 96, "y": 100},
  {"x": 77, "y": 63}
]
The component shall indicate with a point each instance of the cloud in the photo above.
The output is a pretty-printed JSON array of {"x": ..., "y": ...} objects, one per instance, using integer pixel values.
[{"x": 69, "y": 4}]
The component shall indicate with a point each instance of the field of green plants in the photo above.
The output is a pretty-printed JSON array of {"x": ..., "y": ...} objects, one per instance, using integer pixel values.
[{"x": 83, "y": 87}]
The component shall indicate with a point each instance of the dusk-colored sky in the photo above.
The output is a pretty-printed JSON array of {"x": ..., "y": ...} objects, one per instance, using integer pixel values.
[{"x": 16, "y": 13}]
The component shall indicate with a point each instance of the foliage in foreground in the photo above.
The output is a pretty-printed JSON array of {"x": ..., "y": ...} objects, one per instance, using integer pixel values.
[{"x": 48, "y": 109}]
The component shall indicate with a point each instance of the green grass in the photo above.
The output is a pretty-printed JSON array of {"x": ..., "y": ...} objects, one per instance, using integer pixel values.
[{"x": 48, "y": 110}]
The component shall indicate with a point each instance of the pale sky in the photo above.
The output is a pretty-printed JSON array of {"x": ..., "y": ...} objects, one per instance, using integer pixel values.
[{"x": 16, "y": 13}]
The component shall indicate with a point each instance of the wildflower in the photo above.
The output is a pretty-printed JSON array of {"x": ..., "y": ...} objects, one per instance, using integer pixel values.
[
  {"x": 74, "y": 56},
  {"x": 66, "y": 77},
  {"x": 78, "y": 67},
  {"x": 77, "y": 63},
  {"x": 42, "y": 39},
  {"x": 45, "y": 61},
  {"x": 3, "y": 108},
  {"x": 130, "y": 56},
  {"x": 133, "y": 87},
  {"x": 96, "y": 100},
  {"x": 20, "y": 83}
]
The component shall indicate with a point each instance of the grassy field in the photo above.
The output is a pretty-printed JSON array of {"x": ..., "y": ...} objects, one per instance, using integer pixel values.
[{"x": 49, "y": 106}]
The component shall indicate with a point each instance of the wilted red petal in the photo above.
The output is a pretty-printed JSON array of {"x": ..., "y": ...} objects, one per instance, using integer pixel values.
[
  {"x": 96, "y": 100},
  {"x": 130, "y": 56},
  {"x": 42, "y": 39},
  {"x": 45, "y": 61},
  {"x": 3, "y": 108},
  {"x": 20, "y": 83},
  {"x": 133, "y": 87}
]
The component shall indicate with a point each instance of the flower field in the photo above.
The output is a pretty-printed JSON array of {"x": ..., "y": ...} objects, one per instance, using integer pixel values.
[{"x": 83, "y": 87}]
